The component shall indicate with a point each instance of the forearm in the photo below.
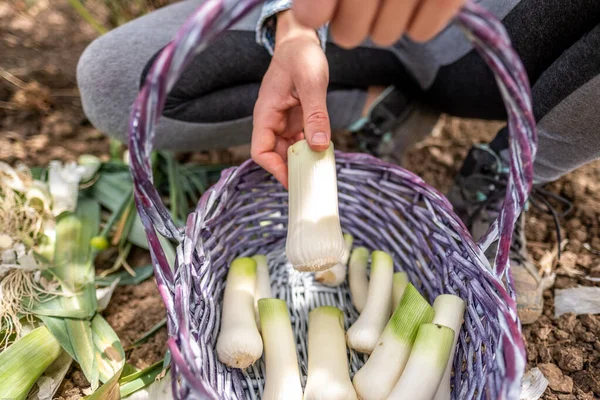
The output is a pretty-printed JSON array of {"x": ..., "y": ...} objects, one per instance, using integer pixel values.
[{"x": 275, "y": 16}]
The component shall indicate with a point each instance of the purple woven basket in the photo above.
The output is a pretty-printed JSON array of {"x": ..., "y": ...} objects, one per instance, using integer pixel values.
[{"x": 382, "y": 205}]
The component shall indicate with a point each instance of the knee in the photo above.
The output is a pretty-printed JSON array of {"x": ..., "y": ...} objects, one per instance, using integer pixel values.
[{"x": 106, "y": 86}]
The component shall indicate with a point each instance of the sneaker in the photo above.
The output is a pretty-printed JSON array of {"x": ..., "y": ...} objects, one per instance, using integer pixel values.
[
  {"x": 477, "y": 196},
  {"x": 394, "y": 123}
]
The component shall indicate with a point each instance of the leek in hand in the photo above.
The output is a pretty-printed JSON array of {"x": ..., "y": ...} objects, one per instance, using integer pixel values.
[
  {"x": 314, "y": 240},
  {"x": 335, "y": 275}
]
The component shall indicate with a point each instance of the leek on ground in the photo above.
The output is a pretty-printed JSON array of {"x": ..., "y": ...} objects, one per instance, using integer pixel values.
[
  {"x": 23, "y": 362},
  {"x": 377, "y": 377},
  {"x": 282, "y": 377},
  {"x": 363, "y": 334},
  {"x": 328, "y": 377},
  {"x": 239, "y": 344}
]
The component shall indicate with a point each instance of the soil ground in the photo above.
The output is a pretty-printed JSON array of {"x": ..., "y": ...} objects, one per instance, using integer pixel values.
[{"x": 41, "y": 119}]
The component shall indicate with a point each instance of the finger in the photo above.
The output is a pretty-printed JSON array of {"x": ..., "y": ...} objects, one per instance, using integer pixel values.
[
  {"x": 273, "y": 163},
  {"x": 352, "y": 21},
  {"x": 267, "y": 121},
  {"x": 432, "y": 17},
  {"x": 313, "y": 99},
  {"x": 281, "y": 147},
  {"x": 392, "y": 21},
  {"x": 314, "y": 13},
  {"x": 295, "y": 122}
]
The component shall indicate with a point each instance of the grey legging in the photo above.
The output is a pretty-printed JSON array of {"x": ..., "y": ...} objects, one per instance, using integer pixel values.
[{"x": 211, "y": 105}]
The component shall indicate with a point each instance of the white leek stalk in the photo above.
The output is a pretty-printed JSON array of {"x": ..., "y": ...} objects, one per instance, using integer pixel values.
[
  {"x": 328, "y": 377},
  {"x": 335, "y": 275},
  {"x": 91, "y": 165},
  {"x": 282, "y": 377},
  {"x": 376, "y": 379},
  {"x": 63, "y": 183},
  {"x": 357, "y": 277},
  {"x": 314, "y": 240},
  {"x": 363, "y": 334},
  {"x": 450, "y": 312},
  {"x": 263, "y": 283},
  {"x": 426, "y": 364},
  {"x": 239, "y": 344},
  {"x": 23, "y": 362},
  {"x": 400, "y": 282}
]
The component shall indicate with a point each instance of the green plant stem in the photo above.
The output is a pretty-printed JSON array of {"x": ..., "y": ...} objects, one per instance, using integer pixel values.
[{"x": 89, "y": 18}]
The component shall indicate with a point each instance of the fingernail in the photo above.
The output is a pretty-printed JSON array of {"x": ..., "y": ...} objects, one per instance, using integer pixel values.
[{"x": 319, "y": 138}]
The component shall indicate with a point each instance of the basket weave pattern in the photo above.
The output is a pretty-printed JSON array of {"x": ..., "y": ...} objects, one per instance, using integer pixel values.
[{"x": 383, "y": 206}]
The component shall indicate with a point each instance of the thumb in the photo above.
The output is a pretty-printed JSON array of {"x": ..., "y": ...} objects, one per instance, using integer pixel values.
[{"x": 317, "y": 129}]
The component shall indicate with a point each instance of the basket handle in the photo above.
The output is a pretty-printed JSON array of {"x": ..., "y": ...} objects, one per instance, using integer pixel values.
[{"x": 215, "y": 16}]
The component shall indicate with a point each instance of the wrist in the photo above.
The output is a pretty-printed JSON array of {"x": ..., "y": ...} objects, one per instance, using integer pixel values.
[{"x": 289, "y": 28}]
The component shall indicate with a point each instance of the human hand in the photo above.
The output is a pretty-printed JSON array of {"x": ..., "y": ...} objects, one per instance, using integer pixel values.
[
  {"x": 384, "y": 21},
  {"x": 291, "y": 103}
]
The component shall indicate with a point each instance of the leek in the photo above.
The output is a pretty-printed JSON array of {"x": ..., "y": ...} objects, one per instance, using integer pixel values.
[
  {"x": 376, "y": 379},
  {"x": 335, "y": 275},
  {"x": 400, "y": 282},
  {"x": 363, "y": 334},
  {"x": 263, "y": 283},
  {"x": 282, "y": 378},
  {"x": 426, "y": 364},
  {"x": 23, "y": 362},
  {"x": 314, "y": 239},
  {"x": 449, "y": 311},
  {"x": 359, "y": 283},
  {"x": 239, "y": 344},
  {"x": 328, "y": 377}
]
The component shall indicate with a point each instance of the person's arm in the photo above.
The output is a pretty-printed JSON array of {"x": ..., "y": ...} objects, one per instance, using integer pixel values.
[
  {"x": 385, "y": 22},
  {"x": 267, "y": 24},
  {"x": 291, "y": 103}
]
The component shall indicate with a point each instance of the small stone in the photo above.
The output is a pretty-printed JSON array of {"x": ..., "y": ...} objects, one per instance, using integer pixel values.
[
  {"x": 585, "y": 260},
  {"x": 556, "y": 380},
  {"x": 568, "y": 259},
  {"x": 544, "y": 332},
  {"x": 580, "y": 235},
  {"x": 567, "y": 397},
  {"x": 574, "y": 246},
  {"x": 591, "y": 322},
  {"x": 567, "y": 322},
  {"x": 597, "y": 345},
  {"x": 573, "y": 223},
  {"x": 544, "y": 354},
  {"x": 587, "y": 337},
  {"x": 581, "y": 395},
  {"x": 559, "y": 334},
  {"x": 569, "y": 359}
]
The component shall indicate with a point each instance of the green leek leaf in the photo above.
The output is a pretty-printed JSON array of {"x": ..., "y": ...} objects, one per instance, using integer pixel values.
[{"x": 23, "y": 362}]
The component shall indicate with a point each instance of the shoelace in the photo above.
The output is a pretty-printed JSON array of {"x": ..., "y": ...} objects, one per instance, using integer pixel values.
[{"x": 490, "y": 191}]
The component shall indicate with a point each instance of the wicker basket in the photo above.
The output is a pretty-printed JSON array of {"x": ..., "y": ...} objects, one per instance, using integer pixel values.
[{"x": 382, "y": 205}]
